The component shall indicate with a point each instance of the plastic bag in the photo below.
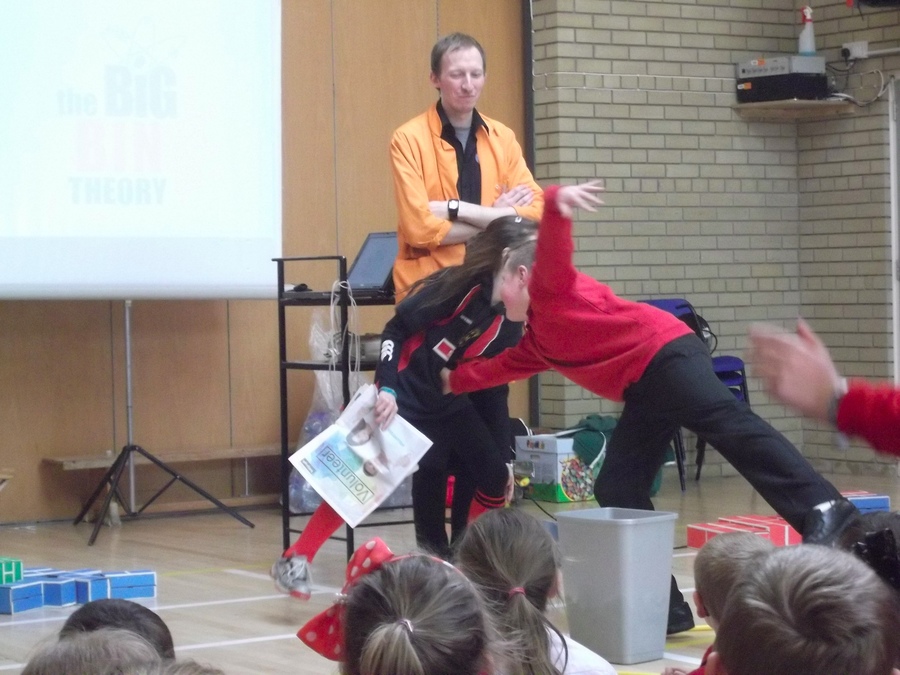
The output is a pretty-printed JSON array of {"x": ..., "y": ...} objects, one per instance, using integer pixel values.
[{"x": 327, "y": 399}]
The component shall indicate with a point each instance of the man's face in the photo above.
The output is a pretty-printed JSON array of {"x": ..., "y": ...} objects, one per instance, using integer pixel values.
[{"x": 461, "y": 81}]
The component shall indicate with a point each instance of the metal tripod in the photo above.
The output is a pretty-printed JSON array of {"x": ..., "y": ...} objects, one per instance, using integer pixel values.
[{"x": 126, "y": 458}]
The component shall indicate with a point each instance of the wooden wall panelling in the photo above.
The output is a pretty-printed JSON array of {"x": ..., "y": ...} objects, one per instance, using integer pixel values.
[
  {"x": 381, "y": 80},
  {"x": 309, "y": 198},
  {"x": 55, "y": 395}
]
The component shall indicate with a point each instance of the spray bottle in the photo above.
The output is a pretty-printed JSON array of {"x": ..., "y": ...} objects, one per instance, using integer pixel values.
[{"x": 807, "y": 42}]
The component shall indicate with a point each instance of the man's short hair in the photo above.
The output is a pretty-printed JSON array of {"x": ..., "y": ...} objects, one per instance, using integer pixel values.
[
  {"x": 808, "y": 610},
  {"x": 450, "y": 43},
  {"x": 720, "y": 564}
]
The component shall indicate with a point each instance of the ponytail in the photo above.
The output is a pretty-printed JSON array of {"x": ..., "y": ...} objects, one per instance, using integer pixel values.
[
  {"x": 415, "y": 615},
  {"x": 513, "y": 560},
  {"x": 509, "y": 240},
  {"x": 389, "y": 649}
]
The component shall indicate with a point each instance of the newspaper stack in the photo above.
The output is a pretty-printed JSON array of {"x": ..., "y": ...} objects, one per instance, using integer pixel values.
[{"x": 353, "y": 464}]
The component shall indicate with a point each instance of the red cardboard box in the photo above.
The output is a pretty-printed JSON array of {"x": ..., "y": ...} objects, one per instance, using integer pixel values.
[
  {"x": 780, "y": 533},
  {"x": 700, "y": 533}
]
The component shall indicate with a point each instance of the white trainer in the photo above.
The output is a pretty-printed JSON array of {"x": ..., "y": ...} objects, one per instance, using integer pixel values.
[{"x": 292, "y": 576}]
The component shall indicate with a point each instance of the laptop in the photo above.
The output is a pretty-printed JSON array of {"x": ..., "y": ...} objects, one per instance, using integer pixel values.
[{"x": 370, "y": 275}]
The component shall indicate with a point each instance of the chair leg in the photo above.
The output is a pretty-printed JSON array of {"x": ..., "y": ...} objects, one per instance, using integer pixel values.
[
  {"x": 680, "y": 458},
  {"x": 701, "y": 455}
]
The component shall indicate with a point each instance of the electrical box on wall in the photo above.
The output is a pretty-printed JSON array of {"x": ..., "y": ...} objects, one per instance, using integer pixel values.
[{"x": 781, "y": 78}]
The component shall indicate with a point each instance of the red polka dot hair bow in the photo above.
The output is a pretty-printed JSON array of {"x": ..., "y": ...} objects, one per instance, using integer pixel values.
[{"x": 324, "y": 633}]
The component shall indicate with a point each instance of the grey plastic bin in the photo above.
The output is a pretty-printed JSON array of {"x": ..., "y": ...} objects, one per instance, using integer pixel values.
[{"x": 616, "y": 569}]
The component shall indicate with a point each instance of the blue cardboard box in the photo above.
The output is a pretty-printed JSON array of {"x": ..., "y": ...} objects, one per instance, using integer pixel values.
[
  {"x": 91, "y": 587},
  {"x": 868, "y": 502},
  {"x": 20, "y": 596},
  {"x": 128, "y": 585},
  {"x": 59, "y": 591}
]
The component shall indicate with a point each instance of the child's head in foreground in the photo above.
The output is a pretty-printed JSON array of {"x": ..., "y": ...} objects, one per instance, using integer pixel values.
[
  {"x": 415, "y": 615},
  {"x": 718, "y": 568},
  {"x": 808, "y": 610},
  {"x": 123, "y": 614},
  {"x": 515, "y": 563}
]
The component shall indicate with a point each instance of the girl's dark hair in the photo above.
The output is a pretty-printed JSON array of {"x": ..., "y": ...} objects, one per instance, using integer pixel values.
[
  {"x": 513, "y": 559},
  {"x": 123, "y": 614},
  {"x": 415, "y": 616},
  {"x": 508, "y": 242}
]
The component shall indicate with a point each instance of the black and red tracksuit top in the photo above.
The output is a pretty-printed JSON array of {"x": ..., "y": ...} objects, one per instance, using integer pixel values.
[{"x": 421, "y": 340}]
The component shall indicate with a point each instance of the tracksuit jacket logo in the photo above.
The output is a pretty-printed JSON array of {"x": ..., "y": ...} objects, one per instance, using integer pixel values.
[{"x": 387, "y": 350}]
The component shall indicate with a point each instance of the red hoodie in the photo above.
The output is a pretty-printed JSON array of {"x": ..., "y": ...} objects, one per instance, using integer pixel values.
[
  {"x": 576, "y": 325},
  {"x": 872, "y": 412}
]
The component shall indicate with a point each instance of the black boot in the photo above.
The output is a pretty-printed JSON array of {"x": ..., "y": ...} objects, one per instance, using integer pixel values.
[
  {"x": 681, "y": 618},
  {"x": 825, "y": 522}
]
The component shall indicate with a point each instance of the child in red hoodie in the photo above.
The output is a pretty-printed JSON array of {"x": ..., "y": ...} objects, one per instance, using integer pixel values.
[{"x": 650, "y": 360}]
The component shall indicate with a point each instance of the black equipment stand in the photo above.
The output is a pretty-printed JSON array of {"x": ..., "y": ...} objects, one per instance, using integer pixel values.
[{"x": 126, "y": 458}]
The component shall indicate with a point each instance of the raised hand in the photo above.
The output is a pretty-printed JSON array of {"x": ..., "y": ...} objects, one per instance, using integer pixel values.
[{"x": 583, "y": 196}]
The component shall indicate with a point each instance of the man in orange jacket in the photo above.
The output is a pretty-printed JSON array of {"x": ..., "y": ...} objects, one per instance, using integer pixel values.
[{"x": 454, "y": 169}]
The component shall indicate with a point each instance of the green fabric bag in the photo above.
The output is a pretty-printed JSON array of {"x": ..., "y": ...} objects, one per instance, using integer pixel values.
[{"x": 590, "y": 440}]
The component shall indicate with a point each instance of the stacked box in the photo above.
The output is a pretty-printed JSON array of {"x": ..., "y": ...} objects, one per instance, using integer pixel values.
[
  {"x": 128, "y": 585},
  {"x": 21, "y": 595},
  {"x": 10, "y": 570},
  {"x": 780, "y": 533},
  {"x": 868, "y": 502},
  {"x": 559, "y": 476},
  {"x": 59, "y": 591},
  {"x": 700, "y": 533},
  {"x": 91, "y": 587}
]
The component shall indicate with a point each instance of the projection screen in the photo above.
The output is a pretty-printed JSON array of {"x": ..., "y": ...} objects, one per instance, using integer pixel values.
[{"x": 140, "y": 148}]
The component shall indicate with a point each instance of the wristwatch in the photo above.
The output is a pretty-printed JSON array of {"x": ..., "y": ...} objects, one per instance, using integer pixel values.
[{"x": 453, "y": 209}]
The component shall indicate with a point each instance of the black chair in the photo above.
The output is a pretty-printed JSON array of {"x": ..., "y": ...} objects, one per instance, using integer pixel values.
[{"x": 729, "y": 369}]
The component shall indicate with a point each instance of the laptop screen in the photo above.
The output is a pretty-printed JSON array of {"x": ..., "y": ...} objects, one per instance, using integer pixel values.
[{"x": 372, "y": 267}]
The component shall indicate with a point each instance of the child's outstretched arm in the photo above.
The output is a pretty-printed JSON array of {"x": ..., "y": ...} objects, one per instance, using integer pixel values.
[{"x": 582, "y": 196}]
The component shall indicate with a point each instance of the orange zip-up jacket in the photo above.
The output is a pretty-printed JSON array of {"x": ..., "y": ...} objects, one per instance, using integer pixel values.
[{"x": 424, "y": 169}]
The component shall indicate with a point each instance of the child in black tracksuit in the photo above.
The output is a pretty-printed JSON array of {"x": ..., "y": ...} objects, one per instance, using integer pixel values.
[{"x": 455, "y": 314}]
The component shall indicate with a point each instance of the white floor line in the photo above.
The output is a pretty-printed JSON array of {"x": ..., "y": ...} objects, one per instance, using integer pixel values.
[
  {"x": 248, "y": 573},
  {"x": 243, "y": 641},
  {"x": 686, "y": 554},
  {"x": 317, "y": 590}
]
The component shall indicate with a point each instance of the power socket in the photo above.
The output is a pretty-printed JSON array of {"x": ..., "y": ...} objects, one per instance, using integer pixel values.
[{"x": 852, "y": 51}]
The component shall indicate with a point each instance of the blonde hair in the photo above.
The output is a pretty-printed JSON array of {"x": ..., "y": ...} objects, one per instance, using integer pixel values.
[
  {"x": 513, "y": 559},
  {"x": 100, "y": 652},
  {"x": 721, "y": 562},
  {"x": 415, "y": 616},
  {"x": 808, "y": 610}
]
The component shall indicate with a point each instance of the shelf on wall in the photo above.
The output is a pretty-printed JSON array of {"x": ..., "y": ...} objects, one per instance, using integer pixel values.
[{"x": 794, "y": 110}]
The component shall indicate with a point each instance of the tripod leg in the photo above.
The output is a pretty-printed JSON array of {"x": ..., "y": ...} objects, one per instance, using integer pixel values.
[
  {"x": 196, "y": 488},
  {"x": 113, "y": 489},
  {"x": 106, "y": 480}
]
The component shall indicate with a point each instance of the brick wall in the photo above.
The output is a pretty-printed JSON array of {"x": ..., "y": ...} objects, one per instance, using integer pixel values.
[{"x": 748, "y": 220}]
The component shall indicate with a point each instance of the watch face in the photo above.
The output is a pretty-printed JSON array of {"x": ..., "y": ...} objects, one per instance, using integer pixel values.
[{"x": 454, "y": 204}]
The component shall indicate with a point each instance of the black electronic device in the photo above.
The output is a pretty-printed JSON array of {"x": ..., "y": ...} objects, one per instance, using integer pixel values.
[
  {"x": 781, "y": 78},
  {"x": 370, "y": 275}
]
